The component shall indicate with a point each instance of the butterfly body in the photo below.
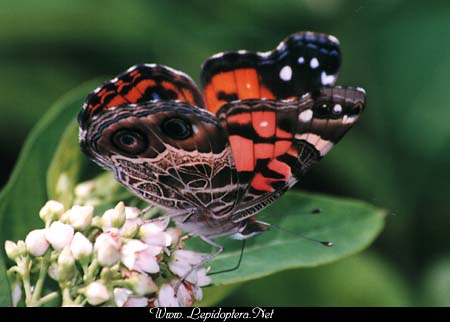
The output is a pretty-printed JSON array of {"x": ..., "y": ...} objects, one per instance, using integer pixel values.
[{"x": 213, "y": 161}]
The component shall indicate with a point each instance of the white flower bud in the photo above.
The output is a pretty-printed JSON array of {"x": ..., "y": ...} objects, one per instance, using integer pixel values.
[
  {"x": 16, "y": 292},
  {"x": 140, "y": 257},
  {"x": 166, "y": 297},
  {"x": 202, "y": 278},
  {"x": 132, "y": 212},
  {"x": 136, "y": 301},
  {"x": 107, "y": 248},
  {"x": 36, "y": 243},
  {"x": 51, "y": 210},
  {"x": 175, "y": 234},
  {"x": 81, "y": 247},
  {"x": 11, "y": 249},
  {"x": 96, "y": 293},
  {"x": 80, "y": 217},
  {"x": 84, "y": 189},
  {"x": 142, "y": 284},
  {"x": 59, "y": 235},
  {"x": 53, "y": 271},
  {"x": 66, "y": 264},
  {"x": 121, "y": 295},
  {"x": 183, "y": 261},
  {"x": 114, "y": 217}
]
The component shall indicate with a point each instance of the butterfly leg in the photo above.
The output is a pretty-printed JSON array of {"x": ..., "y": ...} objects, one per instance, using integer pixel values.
[{"x": 206, "y": 259}]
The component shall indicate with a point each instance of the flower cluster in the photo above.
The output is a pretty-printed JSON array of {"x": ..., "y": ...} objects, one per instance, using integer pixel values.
[{"x": 117, "y": 259}]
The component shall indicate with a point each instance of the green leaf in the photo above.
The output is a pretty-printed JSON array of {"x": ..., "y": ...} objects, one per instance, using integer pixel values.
[
  {"x": 26, "y": 191},
  {"x": 65, "y": 167},
  {"x": 435, "y": 290},
  {"x": 362, "y": 280},
  {"x": 351, "y": 225},
  {"x": 5, "y": 294}
]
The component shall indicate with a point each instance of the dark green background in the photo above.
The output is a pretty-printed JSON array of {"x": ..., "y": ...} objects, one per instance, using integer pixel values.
[{"x": 397, "y": 157}]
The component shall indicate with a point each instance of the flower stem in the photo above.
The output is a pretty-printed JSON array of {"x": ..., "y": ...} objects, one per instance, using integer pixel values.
[
  {"x": 47, "y": 298},
  {"x": 41, "y": 279}
]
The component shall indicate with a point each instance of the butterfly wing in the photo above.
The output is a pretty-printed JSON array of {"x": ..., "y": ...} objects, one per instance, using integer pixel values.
[
  {"x": 168, "y": 153},
  {"x": 275, "y": 142},
  {"x": 140, "y": 84},
  {"x": 301, "y": 63}
]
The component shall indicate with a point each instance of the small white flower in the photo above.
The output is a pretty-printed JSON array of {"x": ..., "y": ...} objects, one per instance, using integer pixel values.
[
  {"x": 152, "y": 233},
  {"x": 166, "y": 297},
  {"x": 136, "y": 301},
  {"x": 97, "y": 293},
  {"x": 36, "y": 242},
  {"x": 59, "y": 235},
  {"x": 51, "y": 210},
  {"x": 140, "y": 257},
  {"x": 132, "y": 212},
  {"x": 66, "y": 264},
  {"x": 114, "y": 217},
  {"x": 107, "y": 248},
  {"x": 16, "y": 292},
  {"x": 81, "y": 247},
  {"x": 202, "y": 279},
  {"x": 185, "y": 296},
  {"x": 183, "y": 262},
  {"x": 175, "y": 234},
  {"x": 121, "y": 295},
  {"x": 80, "y": 216},
  {"x": 141, "y": 283},
  {"x": 11, "y": 249},
  {"x": 198, "y": 294}
]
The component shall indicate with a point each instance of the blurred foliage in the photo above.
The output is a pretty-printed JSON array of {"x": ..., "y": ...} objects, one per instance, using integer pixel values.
[{"x": 396, "y": 157}]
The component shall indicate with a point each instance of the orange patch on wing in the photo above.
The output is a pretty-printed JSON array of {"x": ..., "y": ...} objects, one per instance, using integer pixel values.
[
  {"x": 263, "y": 150},
  {"x": 133, "y": 95},
  {"x": 293, "y": 152},
  {"x": 280, "y": 167},
  {"x": 259, "y": 182},
  {"x": 212, "y": 103},
  {"x": 116, "y": 101},
  {"x": 264, "y": 123},
  {"x": 189, "y": 96},
  {"x": 281, "y": 147},
  {"x": 247, "y": 83},
  {"x": 144, "y": 84},
  {"x": 171, "y": 86},
  {"x": 264, "y": 92},
  {"x": 241, "y": 119},
  {"x": 283, "y": 134},
  {"x": 242, "y": 150}
]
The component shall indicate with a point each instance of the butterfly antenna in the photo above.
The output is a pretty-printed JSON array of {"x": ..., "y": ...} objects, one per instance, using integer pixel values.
[
  {"x": 325, "y": 243},
  {"x": 238, "y": 263}
]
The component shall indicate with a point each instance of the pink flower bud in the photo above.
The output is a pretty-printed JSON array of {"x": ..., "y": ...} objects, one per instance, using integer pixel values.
[
  {"x": 36, "y": 243},
  {"x": 59, "y": 235},
  {"x": 97, "y": 293},
  {"x": 66, "y": 264},
  {"x": 152, "y": 233},
  {"x": 107, "y": 248},
  {"x": 16, "y": 292},
  {"x": 136, "y": 301},
  {"x": 81, "y": 247}
]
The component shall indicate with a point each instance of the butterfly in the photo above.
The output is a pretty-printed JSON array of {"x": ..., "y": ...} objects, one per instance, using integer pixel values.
[{"x": 213, "y": 160}]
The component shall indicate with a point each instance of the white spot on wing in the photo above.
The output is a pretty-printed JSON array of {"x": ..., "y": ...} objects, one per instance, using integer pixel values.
[
  {"x": 333, "y": 39},
  {"x": 361, "y": 90},
  {"x": 337, "y": 108},
  {"x": 327, "y": 79},
  {"x": 314, "y": 63},
  {"x": 323, "y": 146},
  {"x": 305, "y": 116},
  {"x": 263, "y": 124},
  {"x": 286, "y": 73},
  {"x": 301, "y": 60}
]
